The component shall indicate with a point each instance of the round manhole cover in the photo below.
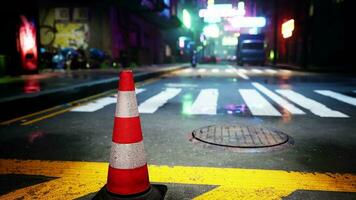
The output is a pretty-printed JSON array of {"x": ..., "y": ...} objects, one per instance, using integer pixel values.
[{"x": 240, "y": 136}]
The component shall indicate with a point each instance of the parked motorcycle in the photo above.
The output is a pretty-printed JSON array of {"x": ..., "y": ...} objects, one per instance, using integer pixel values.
[
  {"x": 194, "y": 59},
  {"x": 96, "y": 58}
]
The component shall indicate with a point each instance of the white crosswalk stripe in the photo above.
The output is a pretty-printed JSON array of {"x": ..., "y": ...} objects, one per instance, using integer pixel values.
[
  {"x": 258, "y": 105},
  {"x": 338, "y": 96},
  {"x": 95, "y": 105},
  {"x": 282, "y": 102},
  {"x": 100, "y": 103},
  {"x": 215, "y": 70},
  {"x": 257, "y": 71},
  {"x": 181, "y": 85},
  {"x": 229, "y": 70},
  {"x": 189, "y": 70},
  {"x": 310, "y": 104},
  {"x": 270, "y": 71},
  {"x": 243, "y": 75},
  {"x": 205, "y": 103},
  {"x": 152, "y": 104},
  {"x": 242, "y": 71}
]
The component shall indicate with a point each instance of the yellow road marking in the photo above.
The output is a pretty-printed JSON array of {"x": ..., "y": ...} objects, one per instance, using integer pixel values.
[
  {"x": 84, "y": 100},
  {"x": 231, "y": 193},
  {"x": 79, "y": 101},
  {"x": 73, "y": 104},
  {"x": 48, "y": 116},
  {"x": 76, "y": 179},
  {"x": 29, "y": 115}
]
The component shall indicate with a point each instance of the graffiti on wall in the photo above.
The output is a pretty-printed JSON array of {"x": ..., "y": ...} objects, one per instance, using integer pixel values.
[{"x": 75, "y": 35}]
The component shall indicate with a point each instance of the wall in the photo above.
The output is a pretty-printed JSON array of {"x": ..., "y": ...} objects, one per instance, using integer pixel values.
[{"x": 55, "y": 33}]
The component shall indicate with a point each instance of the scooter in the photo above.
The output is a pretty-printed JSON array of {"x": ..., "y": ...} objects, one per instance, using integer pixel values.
[{"x": 194, "y": 60}]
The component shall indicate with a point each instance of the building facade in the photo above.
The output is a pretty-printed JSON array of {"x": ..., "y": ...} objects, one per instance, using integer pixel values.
[{"x": 132, "y": 32}]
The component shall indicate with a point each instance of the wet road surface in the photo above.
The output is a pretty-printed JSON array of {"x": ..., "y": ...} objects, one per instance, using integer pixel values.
[{"x": 316, "y": 111}]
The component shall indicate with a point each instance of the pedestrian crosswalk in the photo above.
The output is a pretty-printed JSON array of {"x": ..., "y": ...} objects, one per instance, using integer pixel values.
[
  {"x": 279, "y": 100},
  {"x": 338, "y": 96},
  {"x": 243, "y": 73},
  {"x": 152, "y": 104},
  {"x": 257, "y": 71},
  {"x": 215, "y": 70},
  {"x": 310, "y": 104},
  {"x": 206, "y": 102},
  {"x": 258, "y": 105},
  {"x": 100, "y": 103},
  {"x": 260, "y": 101},
  {"x": 231, "y": 70}
]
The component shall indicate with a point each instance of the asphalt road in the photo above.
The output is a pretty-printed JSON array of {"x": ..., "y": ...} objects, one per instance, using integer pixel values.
[{"x": 316, "y": 111}]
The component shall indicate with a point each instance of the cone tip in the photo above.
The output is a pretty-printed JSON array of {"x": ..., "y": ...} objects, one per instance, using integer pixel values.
[
  {"x": 126, "y": 71},
  {"x": 126, "y": 82}
]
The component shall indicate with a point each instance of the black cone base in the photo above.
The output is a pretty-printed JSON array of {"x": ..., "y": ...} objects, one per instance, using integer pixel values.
[{"x": 156, "y": 192}]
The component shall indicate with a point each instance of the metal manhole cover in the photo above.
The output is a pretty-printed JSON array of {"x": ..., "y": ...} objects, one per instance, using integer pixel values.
[{"x": 240, "y": 136}]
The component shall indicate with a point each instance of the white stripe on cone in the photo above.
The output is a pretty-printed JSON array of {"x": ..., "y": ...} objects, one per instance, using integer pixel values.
[
  {"x": 127, "y": 106},
  {"x": 127, "y": 156}
]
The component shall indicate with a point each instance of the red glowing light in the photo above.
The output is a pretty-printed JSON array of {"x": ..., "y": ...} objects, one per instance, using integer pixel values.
[
  {"x": 287, "y": 28},
  {"x": 27, "y": 44},
  {"x": 32, "y": 86}
]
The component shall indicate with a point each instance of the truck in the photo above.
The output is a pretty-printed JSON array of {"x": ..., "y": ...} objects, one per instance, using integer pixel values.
[{"x": 251, "y": 49}]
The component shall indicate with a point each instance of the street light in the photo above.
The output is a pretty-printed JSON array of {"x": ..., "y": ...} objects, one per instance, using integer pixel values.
[{"x": 186, "y": 19}]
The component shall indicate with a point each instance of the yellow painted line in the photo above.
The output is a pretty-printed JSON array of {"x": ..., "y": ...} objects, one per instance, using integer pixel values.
[
  {"x": 231, "y": 193},
  {"x": 47, "y": 116},
  {"x": 77, "y": 179},
  {"x": 84, "y": 100},
  {"x": 73, "y": 104},
  {"x": 29, "y": 115}
]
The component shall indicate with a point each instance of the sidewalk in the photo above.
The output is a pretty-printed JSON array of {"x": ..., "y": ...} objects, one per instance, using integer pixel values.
[{"x": 20, "y": 94}]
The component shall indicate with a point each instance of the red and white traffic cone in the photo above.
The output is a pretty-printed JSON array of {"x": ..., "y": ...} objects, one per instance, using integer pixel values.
[{"x": 128, "y": 174}]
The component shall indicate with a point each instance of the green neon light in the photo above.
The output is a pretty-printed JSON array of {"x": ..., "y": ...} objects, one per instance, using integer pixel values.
[{"x": 186, "y": 19}]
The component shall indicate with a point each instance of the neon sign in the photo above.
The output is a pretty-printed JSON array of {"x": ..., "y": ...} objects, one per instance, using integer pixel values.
[
  {"x": 247, "y": 22},
  {"x": 287, "y": 28},
  {"x": 27, "y": 44},
  {"x": 211, "y": 30},
  {"x": 222, "y": 10}
]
